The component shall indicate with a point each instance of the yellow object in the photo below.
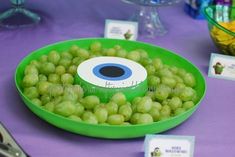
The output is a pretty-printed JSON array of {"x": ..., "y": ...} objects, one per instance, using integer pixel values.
[{"x": 224, "y": 41}]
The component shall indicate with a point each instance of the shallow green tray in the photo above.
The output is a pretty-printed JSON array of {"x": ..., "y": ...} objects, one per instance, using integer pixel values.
[{"x": 104, "y": 131}]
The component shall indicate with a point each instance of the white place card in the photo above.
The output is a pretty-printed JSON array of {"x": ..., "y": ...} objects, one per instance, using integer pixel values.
[
  {"x": 117, "y": 29},
  {"x": 169, "y": 146},
  {"x": 222, "y": 66}
]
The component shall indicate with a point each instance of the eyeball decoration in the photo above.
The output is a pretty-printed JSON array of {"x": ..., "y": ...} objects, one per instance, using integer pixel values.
[{"x": 107, "y": 75}]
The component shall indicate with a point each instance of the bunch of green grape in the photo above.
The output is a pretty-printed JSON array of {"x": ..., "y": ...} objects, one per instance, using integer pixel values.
[{"x": 49, "y": 83}]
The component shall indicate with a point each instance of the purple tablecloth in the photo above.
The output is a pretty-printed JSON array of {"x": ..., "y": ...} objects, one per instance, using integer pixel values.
[{"x": 213, "y": 124}]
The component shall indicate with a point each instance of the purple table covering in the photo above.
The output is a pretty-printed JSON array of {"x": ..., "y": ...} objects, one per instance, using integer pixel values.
[{"x": 213, "y": 124}]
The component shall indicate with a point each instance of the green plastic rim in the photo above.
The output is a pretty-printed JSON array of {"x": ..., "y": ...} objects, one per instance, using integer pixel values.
[
  {"x": 213, "y": 21},
  {"x": 112, "y": 131}
]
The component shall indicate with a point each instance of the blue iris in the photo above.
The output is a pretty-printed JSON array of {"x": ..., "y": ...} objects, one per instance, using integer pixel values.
[{"x": 112, "y": 71}]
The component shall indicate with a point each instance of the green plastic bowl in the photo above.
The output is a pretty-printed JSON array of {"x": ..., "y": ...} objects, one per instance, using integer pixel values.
[
  {"x": 108, "y": 131},
  {"x": 223, "y": 38}
]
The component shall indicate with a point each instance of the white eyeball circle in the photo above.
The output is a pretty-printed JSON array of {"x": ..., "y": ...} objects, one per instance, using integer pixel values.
[{"x": 111, "y": 72}]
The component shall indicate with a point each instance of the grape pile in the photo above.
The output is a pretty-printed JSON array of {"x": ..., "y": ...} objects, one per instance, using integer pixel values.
[{"x": 49, "y": 83}]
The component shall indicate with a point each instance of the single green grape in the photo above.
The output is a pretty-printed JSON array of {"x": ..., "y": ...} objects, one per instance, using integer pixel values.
[
  {"x": 111, "y": 52},
  {"x": 86, "y": 115},
  {"x": 66, "y": 55},
  {"x": 162, "y": 92},
  {"x": 155, "y": 113},
  {"x": 101, "y": 114},
  {"x": 177, "y": 90},
  {"x": 151, "y": 94},
  {"x": 179, "y": 111},
  {"x": 195, "y": 97},
  {"x": 55, "y": 90},
  {"x": 30, "y": 80},
  {"x": 136, "y": 100},
  {"x": 164, "y": 72},
  {"x": 104, "y": 51},
  {"x": 79, "y": 109},
  {"x": 31, "y": 69},
  {"x": 180, "y": 85},
  {"x": 83, "y": 53},
  {"x": 78, "y": 90},
  {"x": 145, "y": 61},
  {"x": 165, "y": 102},
  {"x": 189, "y": 80},
  {"x": 65, "y": 62},
  {"x": 37, "y": 101},
  {"x": 145, "y": 118},
  {"x": 72, "y": 69},
  {"x": 174, "y": 69},
  {"x": 91, "y": 120},
  {"x": 35, "y": 63},
  {"x": 135, "y": 118},
  {"x": 54, "y": 57},
  {"x": 89, "y": 102},
  {"x": 45, "y": 99},
  {"x": 181, "y": 72},
  {"x": 187, "y": 94},
  {"x": 75, "y": 118},
  {"x": 70, "y": 94},
  {"x": 77, "y": 60},
  {"x": 168, "y": 81},
  {"x": 188, "y": 104},
  {"x": 134, "y": 108},
  {"x": 60, "y": 70},
  {"x": 100, "y": 105},
  {"x": 157, "y": 63},
  {"x": 115, "y": 119},
  {"x": 175, "y": 103},
  {"x": 31, "y": 92},
  {"x": 43, "y": 87},
  {"x": 126, "y": 111},
  {"x": 96, "y": 47},
  {"x": 117, "y": 47},
  {"x": 47, "y": 68},
  {"x": 121, "y": 53},
  {"x": 119, "y": 98},
  {"x": 89, "y": 117},
  {"x": 73, "y": 50},
  {"x": 65, "y": 108},
  {"x": 144, "y": 105},
  {"x": 43, "y": 59},
  {"x": 165, "y": 111},
  {"x": 50, "y": 106},
  {"x": 112, "y": 108},
  {"x": 42, "y": 77},
  {"x": 133, "y": 55},
  {"x": 178, "y": 79},
  {"x": 150, "y": 69},
  {"x": 143, "y": 53},
  {"x": 67, "y": 79},
  {"x": 156, "y": 105},
  {"x": 57, "y": 99},
  {"x": 153, "y": 81},
  {"x": 54, "y": 78}
]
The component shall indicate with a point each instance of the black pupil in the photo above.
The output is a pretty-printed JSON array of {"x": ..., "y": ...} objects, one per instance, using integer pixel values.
[{"x": 111, "y": 71}]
